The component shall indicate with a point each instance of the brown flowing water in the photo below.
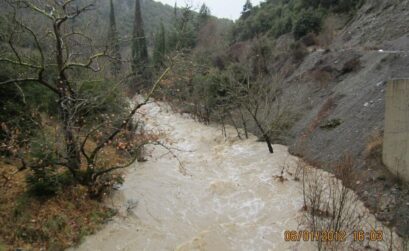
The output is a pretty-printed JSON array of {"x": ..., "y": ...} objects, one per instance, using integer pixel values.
[{"x": 223, "y": 196}]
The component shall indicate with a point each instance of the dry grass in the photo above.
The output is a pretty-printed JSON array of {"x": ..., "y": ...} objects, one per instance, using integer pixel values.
[
  {"x": 374, "y": 145},
  {"x": 53, "y": 223},
  {"x": 328, "y": 32},
  {"x": 323, "y": 113},
  {"x": 343, "y": 170},
  {"x": 322, "y": 77}
]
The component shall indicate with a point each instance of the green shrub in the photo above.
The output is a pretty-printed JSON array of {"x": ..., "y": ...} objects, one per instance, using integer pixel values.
[
  {"x": 313, "y": 3},
  {"x": 42, "y": 147},
  {"x": 306, "y": 23},
  {"x": 41, "y": 98},
  {"x": 103, "y": 98},
  {"x": 20, "y": 212},
  {"x": 277, "y": 17},
  {"x": 331, "y": 124},
  {"x": 282, "y": 27},
  {"x": 46, "y": 182},
  {"x": 56, "y": 223},
  {"x": 2, "y": 247},
  {"x": 45, "y": 179},
  {"x": 347, "y": 5},
  {"x": 18, "y": 120},
  {"x": 335, "y": 5}
]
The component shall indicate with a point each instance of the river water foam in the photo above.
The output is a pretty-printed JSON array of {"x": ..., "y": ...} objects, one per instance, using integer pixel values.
[{"x": 223, "y": 197}]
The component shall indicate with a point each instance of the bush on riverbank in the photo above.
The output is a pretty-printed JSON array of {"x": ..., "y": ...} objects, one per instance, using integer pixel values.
[{"x": 49, "y": 223}]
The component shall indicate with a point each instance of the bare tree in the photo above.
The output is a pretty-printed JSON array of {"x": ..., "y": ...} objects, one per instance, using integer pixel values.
[
  {"x": 59, "y": 56},
  {"x": 255, "y": 98},
  {"x": 330, "y": 206}
]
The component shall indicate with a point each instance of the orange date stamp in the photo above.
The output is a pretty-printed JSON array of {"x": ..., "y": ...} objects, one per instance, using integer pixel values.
[
  {"x": 373, "y": 235},
  {"x": 324, "y": 236},
  {"x": 332, "y": 236}
]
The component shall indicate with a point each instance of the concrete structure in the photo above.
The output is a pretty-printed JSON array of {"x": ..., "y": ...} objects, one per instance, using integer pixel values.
[{"x": 396, "y": 137}]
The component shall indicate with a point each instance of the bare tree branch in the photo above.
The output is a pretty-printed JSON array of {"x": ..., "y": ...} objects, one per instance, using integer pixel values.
[
  {"x": 87, "y": 64},
  {"x": 130, "y": 116}
]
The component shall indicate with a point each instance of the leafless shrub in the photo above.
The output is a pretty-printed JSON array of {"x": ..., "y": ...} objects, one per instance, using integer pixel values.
[
  {"x": 309, "y": 40},
  {"x": 298, "y": 171},
  {"x": 328, "y": 32},
  {"x": 298, "y": 51},
  {"x": 351, "y": 65},
  {"x": 330, "y": 205},
  {"x": 284, "y": 170},
  {"x": 130, "y": 205}
]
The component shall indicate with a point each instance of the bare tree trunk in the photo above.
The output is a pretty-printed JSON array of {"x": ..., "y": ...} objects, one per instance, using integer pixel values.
[
  {"x": 207, "y": 110},
  {"x": 73, "y": 152},
  {"x": 66, "y": 103},
  {"x": 264, "y": 133},
  {"x": 223, "y": 127},
  {"x": 303, "y": 187},
  {"x": 244, "y": 124},
  {"x": 235, "y": 126}
]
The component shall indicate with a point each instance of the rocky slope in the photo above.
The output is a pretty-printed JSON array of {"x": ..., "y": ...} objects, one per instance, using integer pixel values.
[{"x": 339, "y": 93}]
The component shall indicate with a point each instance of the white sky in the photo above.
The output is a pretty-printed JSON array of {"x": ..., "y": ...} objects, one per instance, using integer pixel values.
[{"x": 220, "y": 8}]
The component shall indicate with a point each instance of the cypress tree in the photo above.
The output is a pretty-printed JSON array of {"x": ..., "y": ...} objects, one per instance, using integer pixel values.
[
  {"x": 204, "y": 15},
  {"x": 140, "y": 58},
  {"x": 113, "y": 41},
  {"x": 186, "y": 29},
  {"x": 248, "y": 6},
  {"x": 160, "y": 46},
  {"x": 175, "y": 11}
]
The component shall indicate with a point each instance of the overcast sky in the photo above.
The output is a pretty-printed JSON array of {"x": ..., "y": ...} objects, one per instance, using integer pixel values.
[{"x": 220, "y": 8}]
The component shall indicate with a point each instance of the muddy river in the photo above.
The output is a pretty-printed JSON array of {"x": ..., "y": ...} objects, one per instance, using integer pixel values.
[{"x": 218, "y": 194}]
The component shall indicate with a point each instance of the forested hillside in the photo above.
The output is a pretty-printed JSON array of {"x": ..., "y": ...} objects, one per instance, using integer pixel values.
[{"x": 278, "y": 17}]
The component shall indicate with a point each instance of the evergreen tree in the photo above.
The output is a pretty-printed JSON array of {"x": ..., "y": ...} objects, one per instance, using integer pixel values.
[
  {"x": 204, "y": 15},
  {"x": 173, "y": 34},
  {"x": 113, "y": 41},
  {"x": 248, "y": 6},
  {"x": 160, "y": 46},
  {"x": 183, "y": 34},
  {"x": 186, "y": 29},
  {"x": 175, "y": 11},
  {"x": 140, "y": 58}
]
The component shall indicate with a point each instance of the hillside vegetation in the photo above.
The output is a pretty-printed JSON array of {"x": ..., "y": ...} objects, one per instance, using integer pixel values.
[{"x": 279, "y": 17}]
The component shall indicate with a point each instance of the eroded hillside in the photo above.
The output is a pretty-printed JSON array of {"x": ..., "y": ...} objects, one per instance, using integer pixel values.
[{"x": 338, "y": 91}]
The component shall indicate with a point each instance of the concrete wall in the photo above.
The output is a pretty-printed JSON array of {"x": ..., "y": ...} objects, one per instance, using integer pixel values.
[{"x": 396, "y": 137}]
